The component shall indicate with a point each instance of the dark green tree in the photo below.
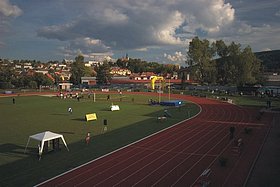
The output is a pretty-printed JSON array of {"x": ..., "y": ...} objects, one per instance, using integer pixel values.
[
  {"x": 231, "y": 65},
  {"x": 249, "y": 67},
  {"x": 7, "y": 76},
  {"x": 221, "y": 48},
  {"x": 103, "y": 76},
  {"x": 199, "y": 59},
  {"x": 41, "y": 80},
  {"x": 78, "y": 70}
]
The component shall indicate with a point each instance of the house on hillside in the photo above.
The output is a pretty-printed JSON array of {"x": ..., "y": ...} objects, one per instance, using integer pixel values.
[
  {"x": 185, "y": 72},
  {"x": 88, "y": 81},
  {"x": 65, "y": 86},
  {"x": 120, "y": 71},
  {"x": 272, "y": 79},
  {"x": 93, "y": 63},
  {"x": 142, "y": 76},
  {"x": 27, "y": 66}
]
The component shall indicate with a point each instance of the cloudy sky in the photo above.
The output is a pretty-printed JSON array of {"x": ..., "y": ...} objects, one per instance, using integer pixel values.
[{"x": 152, "y": 30}]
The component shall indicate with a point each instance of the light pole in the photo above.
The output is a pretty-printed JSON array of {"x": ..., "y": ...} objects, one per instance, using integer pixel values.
[{"x": 169, "y": 87}]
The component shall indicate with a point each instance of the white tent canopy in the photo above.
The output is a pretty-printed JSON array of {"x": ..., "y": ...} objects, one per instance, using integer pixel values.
[{"x": 44, "y": 137}]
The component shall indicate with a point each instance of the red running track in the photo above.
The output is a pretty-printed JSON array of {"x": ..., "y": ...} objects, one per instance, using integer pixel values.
[{"x": 177, "y": 156}]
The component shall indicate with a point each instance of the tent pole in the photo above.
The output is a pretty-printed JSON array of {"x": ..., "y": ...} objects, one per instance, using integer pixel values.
[
  {"x": 41, "y": 148},
  {"x": 64, "y": 143},
  {"x": 26, "y": 145}
]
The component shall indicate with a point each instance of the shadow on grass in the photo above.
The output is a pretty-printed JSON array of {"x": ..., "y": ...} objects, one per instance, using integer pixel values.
[
  {"x": 61, "y": 114},
  {"x": 30, "y": 171},
  {"x": 11, "y": 149},
  {"x": 106, "y": 109},
  {"x": 79, "y": 119},
  {"x": 66, "y": 132}
]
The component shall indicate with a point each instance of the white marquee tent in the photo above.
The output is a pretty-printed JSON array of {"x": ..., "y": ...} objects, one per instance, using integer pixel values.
[{"x": 43, "y": 137}]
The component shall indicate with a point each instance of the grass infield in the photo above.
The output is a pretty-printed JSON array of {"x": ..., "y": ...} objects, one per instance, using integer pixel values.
[{"x": 34, "y": 114}]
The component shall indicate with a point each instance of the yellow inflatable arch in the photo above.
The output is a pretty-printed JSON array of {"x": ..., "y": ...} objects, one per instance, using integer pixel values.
[{"x": 154, "y": 79}]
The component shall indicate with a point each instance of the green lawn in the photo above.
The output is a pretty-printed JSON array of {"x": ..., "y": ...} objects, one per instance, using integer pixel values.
[{"x": 34, "y": 114}]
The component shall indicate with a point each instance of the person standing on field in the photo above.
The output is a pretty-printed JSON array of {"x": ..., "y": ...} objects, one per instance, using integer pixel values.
[
  {"x": 70, "y": 110},
  {"x": 87, "y": 138}
]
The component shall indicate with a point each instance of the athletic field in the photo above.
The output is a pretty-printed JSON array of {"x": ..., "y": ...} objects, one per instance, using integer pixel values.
[
  {"x": 34, "y": 114},
  {"x": 187, "y": 154}
]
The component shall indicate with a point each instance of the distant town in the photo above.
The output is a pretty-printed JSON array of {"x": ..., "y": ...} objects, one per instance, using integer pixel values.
[
  {"x": 79, "y": 73},
  {"x": 59, "y": 73}
]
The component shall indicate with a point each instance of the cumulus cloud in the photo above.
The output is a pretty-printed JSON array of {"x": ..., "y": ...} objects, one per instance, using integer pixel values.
[
  {"x": 122, "y": 25},
  {"x": 7, "y": 9},
  {"x": 210, "y": 16},
  {"x": 166, "y": 32},
  {"x": 114, "y": 16},
  {"x": 176, "y": 57},
  {"x": 258, "y": 37},
  {"x": 88, "y": 47}
]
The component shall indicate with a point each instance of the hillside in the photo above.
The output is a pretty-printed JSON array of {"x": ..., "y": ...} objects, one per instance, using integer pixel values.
[{"x": 270, "y": 60}]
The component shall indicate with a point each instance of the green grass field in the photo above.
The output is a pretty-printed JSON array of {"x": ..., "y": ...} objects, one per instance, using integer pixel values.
[{"x": 35, "y": 114}]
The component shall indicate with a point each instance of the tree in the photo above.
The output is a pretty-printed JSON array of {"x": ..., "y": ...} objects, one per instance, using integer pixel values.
[
  {"x": 103, "y": 76},
  {"x": 41, "y": 80},
  {"x": 221, "y": 48},
  {"x": 122, "y": 63},
  {"x": 249, "y": 67},
  {"x": 54, "y": 75},
  {"x": 33, "y": 84},
  {"x": 77, "y": 70},
  {"x": 234, "y": 65},
  {"x": 22, "y": 81},
  {"x": 89, "y": 72},
  {"x": 7, "y": 76},
  {"x": 199, "y": 59}
]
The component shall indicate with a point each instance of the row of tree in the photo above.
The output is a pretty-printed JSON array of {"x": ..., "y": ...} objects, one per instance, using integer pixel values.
[
  {"x": 10, "y": 79},
  {"x": 102, "y": 72},
  {"x": 139, "y": 66},
  {"x": 208, "y": 63},
  {"x": 218, "y": 63}
]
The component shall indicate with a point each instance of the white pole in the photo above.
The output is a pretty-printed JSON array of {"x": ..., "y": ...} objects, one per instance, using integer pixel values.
[
  {"x": 93, "y": 97},
  {"x": 26, "y": 144},
  {"x": 169, "y": 91}
]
